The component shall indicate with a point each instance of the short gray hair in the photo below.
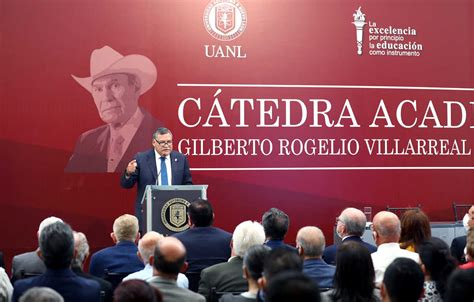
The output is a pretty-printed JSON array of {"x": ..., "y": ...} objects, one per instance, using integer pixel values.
[
  {"x": 354, "y": 220},
  {"x": 46, "y": 222},
  {"x": 82, "y": 249},
  {"x": 245, "y": 235},
  {"x": 312, "y": 240},
  {"x": 41, "y": 294},
  {"x": 126, "y": 228},
  {"x": 161, "y": 131}
]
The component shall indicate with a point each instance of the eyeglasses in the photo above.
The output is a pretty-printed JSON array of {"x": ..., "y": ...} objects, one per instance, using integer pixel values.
[{"x": 164, "y": 143}]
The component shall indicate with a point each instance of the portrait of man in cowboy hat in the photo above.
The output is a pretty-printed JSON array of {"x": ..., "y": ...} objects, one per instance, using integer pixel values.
[{"x": 116, "y": 82}]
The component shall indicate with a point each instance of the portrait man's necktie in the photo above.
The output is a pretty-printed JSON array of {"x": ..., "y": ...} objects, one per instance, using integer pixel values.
[{"x": 164, "y": 172}]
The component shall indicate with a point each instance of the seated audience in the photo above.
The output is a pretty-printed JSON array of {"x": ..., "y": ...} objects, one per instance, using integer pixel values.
[
  {"x": 459, "y": 243},
  {"x": 354, "y": 277},
  {"x": 57, "y": 249},
  {"x": 460, "y": 286},
  {"x": 169, "y": 259},
  {"x": 30, "y": 263},
  {"x": 402, "y": 282},
  {"x": 146, "y": 249},
  {"x": 310, "y": 244},
  {"x": 275, "y": 224},
  {"x": 228, "y": 276},
  {"x": 41, "y": 294},
  {"x": 350, "y": 227},
  {"x": 6, "y": 288},
  {"x": 137, "y": 290},
  {"x": 469, "y": 250},
  {"x": 122, "y": 257},
  {"x": 386, "y": 232},
  {"x": 81, "y": 252},
  {"x": 252, "y": 268},
  {"x": 437, "y": 264},
  {"x": 205, "y": 245},
  {"x": 415, "y": 228},
  {"x": 292, "y": 286}
]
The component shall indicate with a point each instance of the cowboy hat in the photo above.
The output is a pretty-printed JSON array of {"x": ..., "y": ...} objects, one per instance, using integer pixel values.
[{"x": 106, "y": 61}]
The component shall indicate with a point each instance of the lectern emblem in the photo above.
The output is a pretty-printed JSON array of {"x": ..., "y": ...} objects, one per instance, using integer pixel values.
[{"x": 173, "y": 214}]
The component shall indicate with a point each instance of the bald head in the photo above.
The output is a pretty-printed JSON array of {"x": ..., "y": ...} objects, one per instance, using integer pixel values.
[
  {"x": 354, "y": 222},
  {"x": 147, "y": 245},
  {"x": 311, "y": 241},
  {"x": 169, "y": 257},
  {"x": 387, "y": 227}
]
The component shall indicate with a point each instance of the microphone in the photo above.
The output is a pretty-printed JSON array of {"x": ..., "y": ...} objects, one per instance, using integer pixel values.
[{"x": 157, "y": 177}]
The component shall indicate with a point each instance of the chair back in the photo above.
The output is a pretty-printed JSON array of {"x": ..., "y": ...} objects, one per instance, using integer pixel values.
[{"x": 115, "y": 277}]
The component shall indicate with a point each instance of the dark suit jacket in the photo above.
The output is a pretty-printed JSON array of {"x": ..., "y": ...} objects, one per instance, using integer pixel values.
[
  {"x": 90, "y": 153},
  {"x": 278, "y": 244},
  {"x": 225, "y": 277},
  {"x": 105, "y": 286},
  {"x": 29, "y": 263},
  {"x": 70, "y": 286},
  {"x": 120, "y": 258},
  {"x": 319, "y": 271},
  {"x": 205, "y": 246},
  {"x": 147, "y": 174},
  {"x": 329, "y": 254},
  {"x": 457, "y": 248}
]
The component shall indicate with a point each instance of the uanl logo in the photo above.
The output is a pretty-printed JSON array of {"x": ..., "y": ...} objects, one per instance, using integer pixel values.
[
  {"x": 386, "y": 40},
  {"x": 225, "y": 20}
]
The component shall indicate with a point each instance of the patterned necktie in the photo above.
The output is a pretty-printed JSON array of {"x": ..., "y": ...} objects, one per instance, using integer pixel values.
[{"x": 164, "y": 172}]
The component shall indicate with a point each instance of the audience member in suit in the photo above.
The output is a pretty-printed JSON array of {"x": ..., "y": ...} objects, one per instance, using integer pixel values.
[
  {"x": 292, "y": 286},
  {"x": 145, "y": 169},
  {"x": 354, "y": 277},
  {"x": 310, "y": 243},
  {"x": 437, "y": 264},
  {"x": 146, "y": 249},
  {"x": 460, "y": 286},
  {"x": 402, "y": 282},
  {"x": 205, "y": 245},
  {"x": 350, "y": 227},
  {"x": 30, "y": 262},
  {"x": 137, "y": 290},
  {"x": 122, "y": 257},
  {"x": 81, "y": 249},
  {"x": 57, "y": 250},
  {"x": 6, "y": 288},
  {"x": 275, "y": 223},
  {"x": 228, "y": 276},
  {"x": 459, "y": 243},
  {"x": 386, "y": 232},
  {"x": 416, "y": 228},
  {"x": 169, "y": 259},
  {"x": 41, "y": 294},
  {"x": 279, "y": 260},
  {"x": 252, "y": 269}
]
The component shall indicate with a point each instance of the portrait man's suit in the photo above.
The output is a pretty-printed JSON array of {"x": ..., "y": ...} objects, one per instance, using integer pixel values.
[
  {"x": 147, "y": 174},
  {"x": 91, "y": 151},
  {"x": 457, "y": 248},
  {"x": 28, "y": 263},
  {"x": 225, "y": 277},
  {"x": 70, "y": 286},
  {"x": 329, "y": 255}
]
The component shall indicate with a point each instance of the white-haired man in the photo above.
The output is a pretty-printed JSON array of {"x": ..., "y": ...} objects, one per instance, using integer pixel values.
[
  {"x": 81, "y": 252},
  {"x": 228, "y": 276},
  {"x": 386, "y": 232},
  {"x": 30, "y": 263},
  {"x": 146, "y": 250},
  {"x": 122, "y": 257},
  {"x": 116, "y": 83}
]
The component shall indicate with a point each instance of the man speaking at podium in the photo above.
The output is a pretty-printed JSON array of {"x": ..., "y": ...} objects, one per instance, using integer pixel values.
[{"x": 158, "y": 166}]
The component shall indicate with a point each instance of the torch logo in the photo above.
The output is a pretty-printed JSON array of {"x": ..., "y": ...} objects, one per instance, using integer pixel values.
[
  {"x": 225, "y": 20},
  {"x": 359, "y": 22}
]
